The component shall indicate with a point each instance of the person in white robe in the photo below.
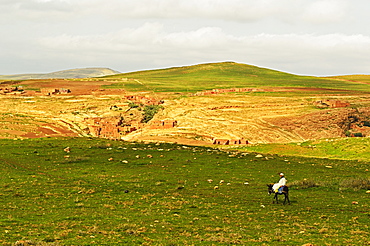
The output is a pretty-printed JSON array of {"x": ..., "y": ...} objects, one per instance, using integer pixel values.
[{"x": 282, "y": 182}]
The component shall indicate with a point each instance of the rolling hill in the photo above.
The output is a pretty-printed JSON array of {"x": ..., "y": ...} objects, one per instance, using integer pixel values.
[
  {"x": 226, "y": 75},
  {"x": 64, "y": 74}
]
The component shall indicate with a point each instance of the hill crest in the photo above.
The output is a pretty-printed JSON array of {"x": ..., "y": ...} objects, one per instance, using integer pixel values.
[
  {"x": 64, "y": 74},
  {"x": 210, "y": 76}
]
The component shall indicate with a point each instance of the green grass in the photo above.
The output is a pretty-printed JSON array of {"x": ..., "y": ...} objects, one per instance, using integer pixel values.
[
  {"x": 225, "y": 75},
  {"x": 79, "y": 198},
  {"x": 342, "y": 148}
]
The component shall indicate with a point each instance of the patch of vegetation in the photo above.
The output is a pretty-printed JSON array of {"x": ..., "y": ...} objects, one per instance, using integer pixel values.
[
  {"x": 342, "y": 148},
  {"x": 304, "y": 184},
  {"x": 46, "y": 242},
  {"x": 133, "y": 105},
  {"x": 147, "y": 111},
  {"x": 115, "y": 193},
  {"x": 150, "y": 111},
  {"x": 358, "y": 135},
  {"x": 357, "y": 183}
]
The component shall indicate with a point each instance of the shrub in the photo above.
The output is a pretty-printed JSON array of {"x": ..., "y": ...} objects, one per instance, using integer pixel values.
[
  {"x": 150, "y": 111},
  {"x": 367, "y": 123},
  {"x": 303, "y": 184},
  {"x": 356, "y": 183},
  {"x": 133, "y": 105}
]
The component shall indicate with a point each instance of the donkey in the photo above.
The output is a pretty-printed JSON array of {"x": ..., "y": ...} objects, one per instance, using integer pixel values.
[{"x": 285, "y": 192}]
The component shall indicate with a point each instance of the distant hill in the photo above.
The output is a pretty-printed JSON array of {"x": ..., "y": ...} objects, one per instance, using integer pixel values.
[
  {"x": 64, "y": 74},
  {"x": 360, "y": 78},
  {"x": 226, "y": 75}
]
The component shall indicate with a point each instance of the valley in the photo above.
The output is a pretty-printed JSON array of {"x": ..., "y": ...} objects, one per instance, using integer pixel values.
[{"x": 255, "y": 114}]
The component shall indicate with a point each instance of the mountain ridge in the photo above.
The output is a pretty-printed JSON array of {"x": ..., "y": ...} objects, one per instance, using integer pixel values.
[{"x": 64, "y": 74}]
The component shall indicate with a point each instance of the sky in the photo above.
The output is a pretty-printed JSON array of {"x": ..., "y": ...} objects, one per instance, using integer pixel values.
[{"x": 305, "y": 37}]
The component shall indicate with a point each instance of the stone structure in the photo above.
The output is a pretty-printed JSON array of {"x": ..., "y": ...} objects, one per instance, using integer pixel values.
[
  {"x": 11, "y": 90},
  {"x": 162, "y": 124},
  {"x": 331, "y": 104},
  {"x": 230, "y": 141},
  {"x": 144, "y": 100},
  {"x": 238, "y": 141},
  {"x": 116, "y": 127},
  {"x": 221, "y": 141},
  {"x": 54, "y": 91},
  {"x": 110, "y": 127}
]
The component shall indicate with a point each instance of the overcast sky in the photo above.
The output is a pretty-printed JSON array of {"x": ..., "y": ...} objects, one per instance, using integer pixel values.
[{"x": 310, "y": 37}]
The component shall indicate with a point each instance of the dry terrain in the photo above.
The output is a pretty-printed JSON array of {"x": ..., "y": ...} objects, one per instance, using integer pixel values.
[
  {"x": 259, "y": 119},
  {"x": 256, "y": 117}
]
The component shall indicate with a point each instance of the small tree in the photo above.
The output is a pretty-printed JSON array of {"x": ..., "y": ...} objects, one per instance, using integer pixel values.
[
  {"x": 357, "y": 134},
  {"x": 133, "y": 105},
  {"x": 367, "y": 123},
  {"x": 150, "y": 111}
]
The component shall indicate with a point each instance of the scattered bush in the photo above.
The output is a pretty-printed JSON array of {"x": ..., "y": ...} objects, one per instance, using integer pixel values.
[
  {"x": 150, "y": 111},
  {"x": 366, "y": 123},
  {"x": 357, "y": 183},
  {"x": 133, "y": 105},
  {"x": 46, "y": 242},
  {"x": 303, "y": 184}
]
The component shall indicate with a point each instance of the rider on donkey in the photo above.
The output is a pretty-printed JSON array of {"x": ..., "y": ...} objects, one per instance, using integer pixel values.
[{"x": 280, "y": 184}]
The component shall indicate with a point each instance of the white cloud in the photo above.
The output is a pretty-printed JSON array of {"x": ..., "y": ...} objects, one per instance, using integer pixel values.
[
  {"x": 36, "y": 5},
  {"x": 326, "y": 11},
  {"x": 231, "y": 10},
  {"x": 153, "y": 34},
  {"x": 36, "y": 10},
  {"x": 150, "y": 44},
  {"x": 125, "y": 40},
  {"x": 282, "y": 34}
]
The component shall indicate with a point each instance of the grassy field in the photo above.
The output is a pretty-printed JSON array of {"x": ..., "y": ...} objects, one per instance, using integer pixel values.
[
  {"x": 114, "y": 193},
  {"x": 225, "y": 75},
  {"x": 341, "y": 148},
  {"x": 119, "y": 193}
]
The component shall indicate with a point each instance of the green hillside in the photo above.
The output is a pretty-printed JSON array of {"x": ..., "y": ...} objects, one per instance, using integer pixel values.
[
  {"x": 354, "y": 78},
  {"x": 225, "y": 75}
]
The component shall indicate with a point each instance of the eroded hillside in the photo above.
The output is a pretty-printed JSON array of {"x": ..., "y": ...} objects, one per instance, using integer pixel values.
[
  {"x": 259, "y": 119},
  {"x": 106, "y": 107}
]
